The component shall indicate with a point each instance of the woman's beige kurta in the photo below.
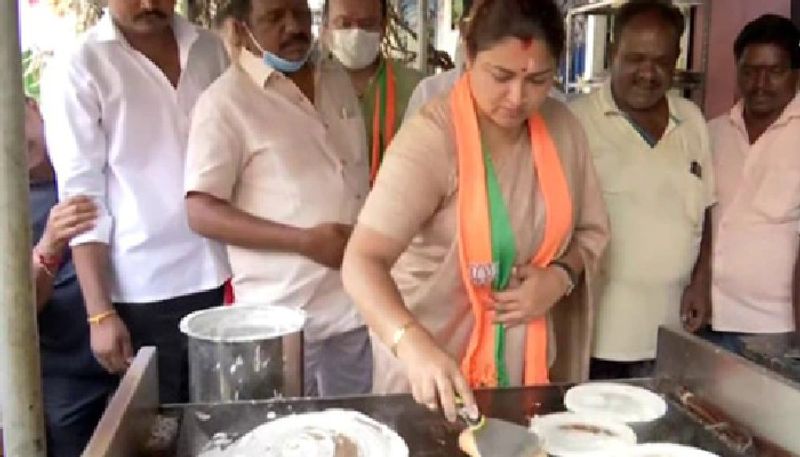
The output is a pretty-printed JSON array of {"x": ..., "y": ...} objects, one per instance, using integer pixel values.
[{"x": 414, "y": 201}]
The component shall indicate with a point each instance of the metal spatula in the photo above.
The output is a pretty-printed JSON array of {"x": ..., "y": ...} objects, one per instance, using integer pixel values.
[{"x": 499, "y": 438}]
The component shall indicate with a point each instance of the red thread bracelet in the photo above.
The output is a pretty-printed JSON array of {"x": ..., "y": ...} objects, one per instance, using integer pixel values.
[{"x": 49, "y": 263}]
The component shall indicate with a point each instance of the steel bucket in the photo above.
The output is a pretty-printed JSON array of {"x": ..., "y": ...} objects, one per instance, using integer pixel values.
[{"x": 244, "y": 352}]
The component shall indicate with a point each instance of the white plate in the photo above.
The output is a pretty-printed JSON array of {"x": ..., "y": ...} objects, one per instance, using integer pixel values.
[
  {"x": 582, "y": 435},
  {"x": 667, "y": 450},
  {"x": 317, "y": 435},
  {"x": 620, "y": 402}
]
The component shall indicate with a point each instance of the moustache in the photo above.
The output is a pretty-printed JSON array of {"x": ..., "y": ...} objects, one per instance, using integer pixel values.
[
  {"x": 150, "y": 14},
  {"x": 298, "y": 38},
  {"x": 649, "y": 86},
  {"x": 761, "y": 93}
]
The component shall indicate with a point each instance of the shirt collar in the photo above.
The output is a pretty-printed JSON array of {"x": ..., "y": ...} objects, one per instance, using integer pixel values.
[
  {"x": 609, "y": 106},
  {"x": 185, "y": 32},
  {"x": 792, "y": 110},
  {"x": 254, "y": 67},
  {"x": 258, "y": 70}
]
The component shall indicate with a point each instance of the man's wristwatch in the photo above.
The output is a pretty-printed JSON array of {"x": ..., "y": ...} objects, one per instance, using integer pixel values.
[{"x": 571, "y": 275}]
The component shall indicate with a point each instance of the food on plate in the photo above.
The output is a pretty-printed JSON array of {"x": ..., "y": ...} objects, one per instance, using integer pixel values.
[
  {"x": 580, "y": 435},
  {"x": 331, "y": 433},
  {"x": 593, "y": 429},
  {"x": 620, "y": 402}
]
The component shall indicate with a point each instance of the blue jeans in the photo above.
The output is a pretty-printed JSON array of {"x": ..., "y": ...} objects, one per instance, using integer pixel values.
[{"x": 730, "y": 341}]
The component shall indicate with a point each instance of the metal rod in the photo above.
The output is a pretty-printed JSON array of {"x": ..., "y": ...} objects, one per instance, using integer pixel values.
[
  {"x": 422, "y": 36},
  {"x": 568, "y": 55},
  {"x": 23, "y": 421}
]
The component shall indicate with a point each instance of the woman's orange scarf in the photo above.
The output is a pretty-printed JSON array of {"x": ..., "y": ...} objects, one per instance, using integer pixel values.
[{"x": 475, "y": 237}]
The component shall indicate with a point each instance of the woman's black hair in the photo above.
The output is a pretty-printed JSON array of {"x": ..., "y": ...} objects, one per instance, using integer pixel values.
[{"x": 492, "y": 21}]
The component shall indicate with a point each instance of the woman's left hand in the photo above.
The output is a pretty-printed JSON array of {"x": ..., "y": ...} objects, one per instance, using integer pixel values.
[{"x": 531, "y": 293}]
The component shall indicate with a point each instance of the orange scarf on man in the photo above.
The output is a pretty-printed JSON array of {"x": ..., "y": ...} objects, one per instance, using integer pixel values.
[{"x": 384, "y": 117}]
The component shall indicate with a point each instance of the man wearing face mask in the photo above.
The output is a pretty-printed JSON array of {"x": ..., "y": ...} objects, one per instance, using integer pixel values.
[
  {"x": 277, "y": 170},
  {"x": 754, "y": 286},
  {"x": 353, "y": 32},
  {"x": 653, "y": 158},
  {"x": 116, "y": 110}
]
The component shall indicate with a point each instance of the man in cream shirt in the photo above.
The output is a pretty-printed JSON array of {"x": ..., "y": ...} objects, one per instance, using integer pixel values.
[
  {"x": 277, "y": 169},
  {"x": 652, "y": 154}
]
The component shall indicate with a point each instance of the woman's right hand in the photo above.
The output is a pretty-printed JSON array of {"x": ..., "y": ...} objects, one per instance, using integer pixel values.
[{"x": 435, "y": 377}]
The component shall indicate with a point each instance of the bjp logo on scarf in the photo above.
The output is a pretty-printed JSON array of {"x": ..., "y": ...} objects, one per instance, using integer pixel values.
[{"x": 483, "y": 274}]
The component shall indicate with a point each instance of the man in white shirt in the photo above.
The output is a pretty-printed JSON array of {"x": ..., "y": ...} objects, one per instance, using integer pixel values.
[
  {"x": 277, "y": 169},
  {"x": 117, "y": 109}
]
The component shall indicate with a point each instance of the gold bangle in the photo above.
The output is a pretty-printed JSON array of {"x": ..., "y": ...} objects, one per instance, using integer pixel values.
[
  {"x": 398, "y": 335},
  {"x": 98, "y": 318}
]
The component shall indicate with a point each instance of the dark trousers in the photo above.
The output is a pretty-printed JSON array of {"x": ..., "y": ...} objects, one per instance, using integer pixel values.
[
  {"x": 340, "y": 365},
  {"x": 156, "y": 324},
  {"x": 73, "y": 406},
  {"x": 606, "y": 370}
]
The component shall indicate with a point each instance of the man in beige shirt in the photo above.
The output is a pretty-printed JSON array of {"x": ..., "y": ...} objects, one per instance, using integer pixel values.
[
  {"x": 652, "y": 154},
  {"x": 756, "y": 151},
  {"x": 277, "y": 170}
]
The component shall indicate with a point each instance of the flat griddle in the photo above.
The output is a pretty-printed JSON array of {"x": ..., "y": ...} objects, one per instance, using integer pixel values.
[{"x": 427, "y": 434}]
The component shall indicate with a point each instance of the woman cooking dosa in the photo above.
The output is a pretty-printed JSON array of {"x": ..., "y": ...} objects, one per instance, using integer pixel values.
[{"x": 488, "y": 213}]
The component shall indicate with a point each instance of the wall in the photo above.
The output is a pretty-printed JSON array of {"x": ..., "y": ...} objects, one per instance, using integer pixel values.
[
  {"x": 796, "y": 12},
  {"x": 727, "y": 19}
]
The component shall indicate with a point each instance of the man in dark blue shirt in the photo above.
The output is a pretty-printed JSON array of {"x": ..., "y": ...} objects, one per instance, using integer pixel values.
[{"x": 76, "y": 388}]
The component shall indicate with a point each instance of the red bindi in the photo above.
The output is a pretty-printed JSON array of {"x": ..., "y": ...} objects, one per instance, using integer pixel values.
[{"x": 526, "y": 44}]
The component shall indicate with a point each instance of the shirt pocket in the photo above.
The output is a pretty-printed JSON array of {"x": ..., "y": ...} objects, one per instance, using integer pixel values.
[
  {"x": 778, "y": 196},
  {"x": 693, "y": 191},
  {"x": 270, "y": 185}
]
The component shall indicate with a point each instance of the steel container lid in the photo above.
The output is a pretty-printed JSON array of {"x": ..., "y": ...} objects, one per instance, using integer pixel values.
[{"x": 242, "y": 323}]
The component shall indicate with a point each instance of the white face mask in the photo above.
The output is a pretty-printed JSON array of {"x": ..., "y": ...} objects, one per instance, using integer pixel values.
[{"x": 355, "y": 48}]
